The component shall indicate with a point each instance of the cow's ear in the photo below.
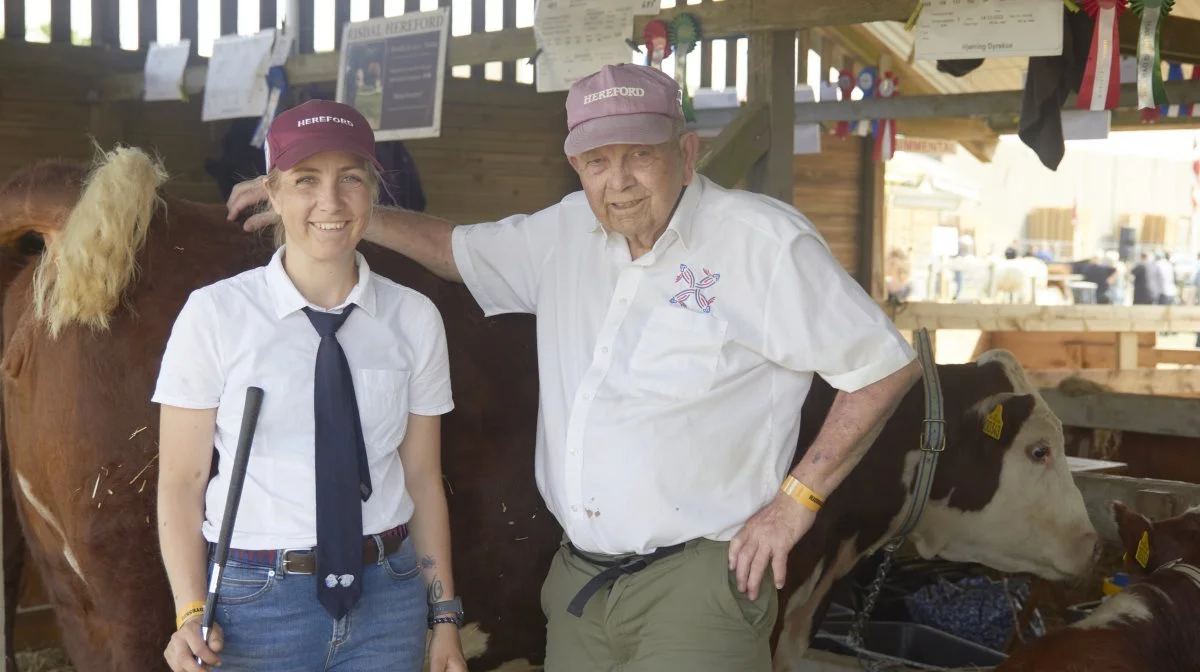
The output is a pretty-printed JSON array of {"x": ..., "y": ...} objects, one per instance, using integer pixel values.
[
  {"x": 998, "y": 418},
  {"x": 1136, "y": 533}
]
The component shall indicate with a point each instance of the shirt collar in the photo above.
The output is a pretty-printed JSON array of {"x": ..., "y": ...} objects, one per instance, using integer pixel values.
[
  {"x": 286, "y": 299},
  {"x": 685, "y": 211}
]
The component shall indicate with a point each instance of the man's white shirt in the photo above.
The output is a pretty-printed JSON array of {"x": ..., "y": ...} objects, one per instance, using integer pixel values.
[
  {"x": 250, "y": 330},
  {"x": 671, "y": 385}
]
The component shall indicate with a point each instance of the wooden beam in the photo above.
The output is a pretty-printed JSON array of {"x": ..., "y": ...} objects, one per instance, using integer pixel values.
[
  {"x": 341, "y": 16},
  {"x": 728, "y": 19},
  {"x": 1122, "y": 120},
  {"x": 1030, "y": 317},
  {"x": 958, "y": 105},
  {"x": 1179, "y": 39},
  {"x": 739, "y": 146},
  {"x": 1181, "y": 382},
  {"x": 870, "y": 225},
  {"x": 229, "y": 17},
  {"x": 189, "y": 23},
  {"x": 1099, "y": 491},
  {"x": 1145, "y": 413},
  {"x": 772, "y": 79}
]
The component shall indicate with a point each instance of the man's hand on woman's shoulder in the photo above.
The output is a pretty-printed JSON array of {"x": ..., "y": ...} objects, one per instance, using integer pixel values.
[{"x": 250, "y": 194}]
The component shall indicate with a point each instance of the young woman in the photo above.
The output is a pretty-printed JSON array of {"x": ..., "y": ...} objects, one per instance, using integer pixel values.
[{"x": 342, "y": 511}]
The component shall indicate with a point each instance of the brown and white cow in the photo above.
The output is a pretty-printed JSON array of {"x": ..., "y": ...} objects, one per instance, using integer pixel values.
[
  {"x": 1153, "y": 624},
  {"x": 1008, "y": 502},
  {"x": 80, "y": 434}
]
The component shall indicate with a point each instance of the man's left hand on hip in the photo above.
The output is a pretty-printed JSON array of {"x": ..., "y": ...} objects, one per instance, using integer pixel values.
[{"x": 767, "y": 537}]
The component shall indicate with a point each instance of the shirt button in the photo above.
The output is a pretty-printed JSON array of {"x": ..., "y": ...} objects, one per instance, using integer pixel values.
[
  {"x": 587, "y": 395},
  {"x": 624, "y": 301},
  {"x": 604, "y": 348},
  {"x": 575, "y": 508}
]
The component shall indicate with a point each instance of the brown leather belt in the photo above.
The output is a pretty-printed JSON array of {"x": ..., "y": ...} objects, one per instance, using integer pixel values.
[{"x": 304, "y": 560}]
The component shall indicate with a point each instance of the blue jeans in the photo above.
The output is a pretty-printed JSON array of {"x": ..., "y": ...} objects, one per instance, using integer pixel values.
[{"x": 273, "y": 621}]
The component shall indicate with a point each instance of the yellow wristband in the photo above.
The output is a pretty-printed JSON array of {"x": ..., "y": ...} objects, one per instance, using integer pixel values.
[
  {"x": 802, "y": 493},
  {"x": 188, "y": 612}
]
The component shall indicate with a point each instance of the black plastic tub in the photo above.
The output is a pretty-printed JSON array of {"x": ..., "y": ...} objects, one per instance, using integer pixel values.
[{"x": 909, "y": 642}]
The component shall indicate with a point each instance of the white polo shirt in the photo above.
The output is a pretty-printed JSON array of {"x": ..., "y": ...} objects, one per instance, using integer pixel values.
[
  {"x": 249, "y": 330},
  {"x": 671, "y": 386}
]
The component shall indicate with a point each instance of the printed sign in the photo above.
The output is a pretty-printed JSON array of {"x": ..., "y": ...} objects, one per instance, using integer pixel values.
[
  {"x": 951, "y": 29},
  {"x": 392, "y": 71}
]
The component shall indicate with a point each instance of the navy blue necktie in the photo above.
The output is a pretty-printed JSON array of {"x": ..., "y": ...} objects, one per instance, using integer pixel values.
[{"x": 342, "y": 473}]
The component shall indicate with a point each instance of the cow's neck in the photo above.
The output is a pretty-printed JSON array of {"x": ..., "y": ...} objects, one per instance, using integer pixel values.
[{"x": 869, "y": 508}]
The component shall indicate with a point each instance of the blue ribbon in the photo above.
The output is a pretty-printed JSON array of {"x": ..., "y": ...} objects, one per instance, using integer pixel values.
[
  {"x": 277, "y": 85},
  {"x": 1174, "y": 71}
]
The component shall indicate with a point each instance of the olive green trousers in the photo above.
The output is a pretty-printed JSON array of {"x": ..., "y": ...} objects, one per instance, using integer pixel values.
[{"x": 683, "y": 613}]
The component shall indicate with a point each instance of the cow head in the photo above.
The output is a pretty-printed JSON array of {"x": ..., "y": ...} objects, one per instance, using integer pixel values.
[
  {"x": 1176, "y": 538},
  {"x": 1003, "y": 495}
]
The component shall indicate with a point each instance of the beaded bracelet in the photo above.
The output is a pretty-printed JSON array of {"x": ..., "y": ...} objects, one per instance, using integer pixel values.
[{"x": 445, "y": 619}]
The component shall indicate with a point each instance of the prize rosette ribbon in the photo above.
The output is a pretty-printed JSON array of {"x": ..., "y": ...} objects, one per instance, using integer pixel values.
[
  {"x": 885, "y": 139},
  {"x": 1151, "y": 92},
  {"x": 846, "y": 85},
  {"x": 658, "y": 46},
  {"x": 867, "y": 78},
  {"x": 684, "y": 33},
  {"x": 1101, "y": 85}
]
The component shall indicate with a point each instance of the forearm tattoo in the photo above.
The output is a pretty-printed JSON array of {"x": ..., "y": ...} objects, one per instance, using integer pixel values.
[{"x": 435, "y": 585}]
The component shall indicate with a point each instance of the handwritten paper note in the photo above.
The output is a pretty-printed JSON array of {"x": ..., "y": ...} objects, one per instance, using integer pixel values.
[
  {"x": 578, "y": 37},
  {"x": 950, "y": 29},
  {"x": 163, "y": 72},
  {"x": 236, "y": 85}
]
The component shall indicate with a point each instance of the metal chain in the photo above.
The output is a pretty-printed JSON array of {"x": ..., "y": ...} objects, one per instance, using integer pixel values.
[{"x": 855, "y": 638}]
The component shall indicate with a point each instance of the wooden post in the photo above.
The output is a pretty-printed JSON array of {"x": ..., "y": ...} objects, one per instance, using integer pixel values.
[
  {"x": 341, "y": 16},
  {"x": 772, "y": 79},
  {"x": 508, "y": 71},
  {"x": 478, "y": 15},
  {"x": 14, "y": 21},
  {"x": 148, "y": 23},
  {"x": 1127, "y": 350}
]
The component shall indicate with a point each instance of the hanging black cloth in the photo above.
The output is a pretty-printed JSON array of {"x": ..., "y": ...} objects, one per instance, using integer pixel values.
[{"x": 1049, "y": 81}]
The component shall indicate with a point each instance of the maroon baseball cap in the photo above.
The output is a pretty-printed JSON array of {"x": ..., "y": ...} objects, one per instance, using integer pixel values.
[
  {"x": 622, "y": 104},
  {"x": 318, "y": 126}
]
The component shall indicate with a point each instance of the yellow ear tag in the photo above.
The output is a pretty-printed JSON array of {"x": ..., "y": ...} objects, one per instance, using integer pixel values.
[
  {"x": 1143, "y": 550},
  {"x": 993, "y": 424}
]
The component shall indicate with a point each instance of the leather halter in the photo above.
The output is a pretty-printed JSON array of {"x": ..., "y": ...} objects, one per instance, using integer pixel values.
[{"x": 933, "y": 433}]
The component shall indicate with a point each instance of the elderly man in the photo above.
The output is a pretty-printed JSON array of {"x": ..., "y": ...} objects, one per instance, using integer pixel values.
[{"x": 679, "y": 326}]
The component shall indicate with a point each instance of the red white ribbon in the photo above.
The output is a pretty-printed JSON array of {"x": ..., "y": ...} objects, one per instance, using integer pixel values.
[
  {"x": 1101, "y": 85},
  {"x": 846, "y": 84},
  {"x": 885, "y": 140}
]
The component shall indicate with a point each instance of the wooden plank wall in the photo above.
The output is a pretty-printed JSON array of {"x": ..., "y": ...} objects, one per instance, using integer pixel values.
[{"x": 828, "y": 191}]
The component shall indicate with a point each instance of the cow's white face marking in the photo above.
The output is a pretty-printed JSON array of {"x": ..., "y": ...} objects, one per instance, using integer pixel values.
[
  {"x": 1036, "y": 522},
  {"x": 44, "y": 512}
]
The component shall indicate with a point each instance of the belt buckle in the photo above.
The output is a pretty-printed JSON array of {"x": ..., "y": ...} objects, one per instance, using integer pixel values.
[
  {"x": 285, "y": 561},
  {"x": 941, "y": 444}
]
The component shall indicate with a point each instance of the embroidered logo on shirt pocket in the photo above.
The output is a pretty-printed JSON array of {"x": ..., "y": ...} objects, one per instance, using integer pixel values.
[
  {"x": 382, "y": 396},
  {"x": 678, "y": 352}
]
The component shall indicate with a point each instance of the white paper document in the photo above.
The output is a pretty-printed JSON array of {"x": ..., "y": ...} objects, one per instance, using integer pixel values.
[
  {"x": 236, "y": 85},
  {"x": 806, "y": 138},
  {"x": 950, "y": 29},
  {"x": 1086, "y": 124},
  {"x": 647, "y": 7},
  {"x": 578, "y": 37},
  {"x": 163, "y": 73}
]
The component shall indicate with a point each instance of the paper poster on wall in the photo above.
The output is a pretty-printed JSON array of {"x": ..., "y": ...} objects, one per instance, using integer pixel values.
[
  {"x": 952, "y": 29},
  {"x": 578, "y": 37},
  {"x": 236, "y": 83},
  {"x": 163, "y": 72},
  {"x": 392, "y": 70}
]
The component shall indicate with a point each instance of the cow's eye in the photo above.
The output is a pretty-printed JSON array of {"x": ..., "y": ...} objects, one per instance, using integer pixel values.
[{"x": 1038, "y": 452}]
